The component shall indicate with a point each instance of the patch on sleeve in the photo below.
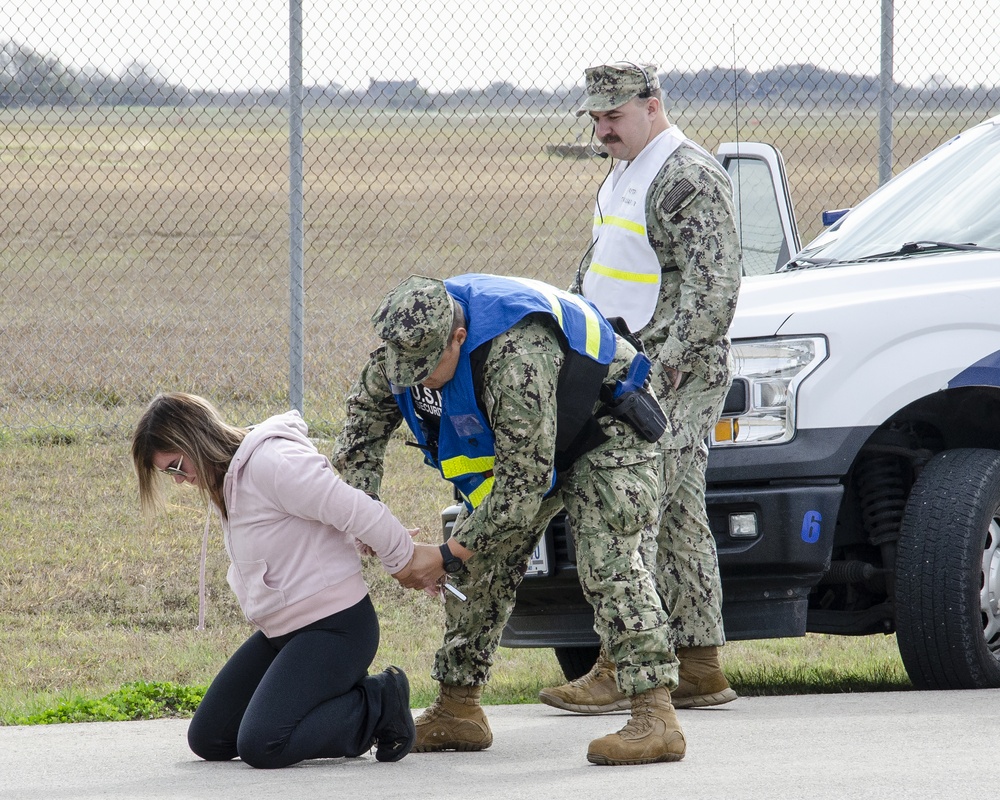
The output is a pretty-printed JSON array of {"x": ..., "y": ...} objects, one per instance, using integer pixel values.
[{"x": 677, "y": 195}]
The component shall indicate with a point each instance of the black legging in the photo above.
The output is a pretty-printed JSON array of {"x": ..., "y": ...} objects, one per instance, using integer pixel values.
[{"x": 302, "y": 695}]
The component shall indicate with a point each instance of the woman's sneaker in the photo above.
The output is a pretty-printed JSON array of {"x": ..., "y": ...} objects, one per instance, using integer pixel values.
[{"x": 395, "y": 732}]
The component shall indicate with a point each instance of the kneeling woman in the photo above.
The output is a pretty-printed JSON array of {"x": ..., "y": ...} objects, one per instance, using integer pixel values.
[{"x": 299, "y": 687}]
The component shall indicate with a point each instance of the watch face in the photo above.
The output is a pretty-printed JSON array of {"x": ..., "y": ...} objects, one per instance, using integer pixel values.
[{"x": 452, "y": 563}]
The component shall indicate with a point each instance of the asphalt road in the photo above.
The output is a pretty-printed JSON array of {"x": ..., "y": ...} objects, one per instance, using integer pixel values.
[{"x": 889, "y": 746}]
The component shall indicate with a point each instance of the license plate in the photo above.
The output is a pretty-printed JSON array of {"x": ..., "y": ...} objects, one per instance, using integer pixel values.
[{"x": 538, "y": 564}]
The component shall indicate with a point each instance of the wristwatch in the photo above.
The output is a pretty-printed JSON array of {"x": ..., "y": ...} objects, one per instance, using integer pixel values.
[{"x": 452, "y": 563}]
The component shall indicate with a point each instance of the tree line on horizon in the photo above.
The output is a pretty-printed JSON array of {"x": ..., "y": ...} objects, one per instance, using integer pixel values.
[{"x": 31, "y": 79}]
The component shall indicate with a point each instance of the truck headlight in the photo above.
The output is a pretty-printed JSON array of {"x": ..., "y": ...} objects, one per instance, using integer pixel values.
[{"x": 760, "y": 407}]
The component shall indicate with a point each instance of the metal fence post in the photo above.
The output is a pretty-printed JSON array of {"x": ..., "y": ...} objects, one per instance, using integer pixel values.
[
  {"x": 885, "y": 94},
  {"x": 296, "y": 380}
]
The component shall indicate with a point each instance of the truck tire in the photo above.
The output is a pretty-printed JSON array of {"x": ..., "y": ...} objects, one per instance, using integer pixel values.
[
  {"x": 948, "y": 573},
  {"x": 576, "y": 661}
]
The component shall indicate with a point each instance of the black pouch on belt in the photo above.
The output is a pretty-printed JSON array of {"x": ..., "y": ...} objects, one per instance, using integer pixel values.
[
  {"x": 640, "y": 410},
  {"x": 633, "y": 403}
]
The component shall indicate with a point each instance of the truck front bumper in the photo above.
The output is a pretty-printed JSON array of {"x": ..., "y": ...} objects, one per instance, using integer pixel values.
[{"x": 767, "y": 576}]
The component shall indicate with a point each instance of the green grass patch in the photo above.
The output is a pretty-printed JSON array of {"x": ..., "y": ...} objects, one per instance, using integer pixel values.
[
  {"x": 51, "y": 435},
  {"x": 138, "y": 700},
  {"x": 815, "y": 664}
]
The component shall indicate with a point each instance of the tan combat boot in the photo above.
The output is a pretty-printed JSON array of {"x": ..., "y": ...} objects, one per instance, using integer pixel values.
[
  {"x": 652, "y": 735},
  {"x": 454, "y": 721},
  {"x": 702, "y": 682},
  {"x": 594, "y": 693}
]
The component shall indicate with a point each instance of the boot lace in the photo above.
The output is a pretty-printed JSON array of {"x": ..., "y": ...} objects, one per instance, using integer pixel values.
[
  {"x": 641, "y": 721},
  {"x": 434, "y": 711},
  {"x": 597, "y": 672}
]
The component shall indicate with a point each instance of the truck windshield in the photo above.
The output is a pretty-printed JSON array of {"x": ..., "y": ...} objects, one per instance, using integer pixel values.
[{"x": 950, "y": 196}]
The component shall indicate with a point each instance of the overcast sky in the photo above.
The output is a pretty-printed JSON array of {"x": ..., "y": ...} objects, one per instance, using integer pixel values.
[{"x": 449, "y": 44}]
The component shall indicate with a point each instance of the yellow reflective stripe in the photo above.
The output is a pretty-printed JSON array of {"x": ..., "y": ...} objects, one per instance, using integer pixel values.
[
  {"x": 463, "y": 465},
  {"x": 593, "y": 324},
  {"x": 545, "y": 291},
  {"x": 481, "y": 491},
  {"x": 622, "y": 275},
  {"x": 593, "y": 329},
  {"x": 626, "y": 224}
]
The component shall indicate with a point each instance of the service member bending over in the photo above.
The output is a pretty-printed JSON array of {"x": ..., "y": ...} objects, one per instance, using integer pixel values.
[{"x": 504, "y": 384}]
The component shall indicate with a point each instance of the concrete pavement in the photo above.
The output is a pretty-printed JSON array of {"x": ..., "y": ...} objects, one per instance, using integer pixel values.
[{"x": 894, "y": 745}]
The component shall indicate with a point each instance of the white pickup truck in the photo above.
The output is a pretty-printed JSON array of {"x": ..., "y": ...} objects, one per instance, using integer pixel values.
[{"x": 854, "y": 479}]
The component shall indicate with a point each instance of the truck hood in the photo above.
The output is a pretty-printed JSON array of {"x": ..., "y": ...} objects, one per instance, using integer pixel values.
[{"x": 950, "y": 288}]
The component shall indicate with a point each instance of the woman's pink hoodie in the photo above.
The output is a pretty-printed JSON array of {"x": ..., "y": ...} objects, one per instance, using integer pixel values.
[{"x": 292, "y": 528}]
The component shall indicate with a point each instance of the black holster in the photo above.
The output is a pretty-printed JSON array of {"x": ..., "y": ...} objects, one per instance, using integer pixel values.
[{"x": 640, "y": 410}]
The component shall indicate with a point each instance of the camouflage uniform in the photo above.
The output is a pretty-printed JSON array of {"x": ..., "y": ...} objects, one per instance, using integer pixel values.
[
  {"x": 610, "y": 495},
  {"x": 690, "y": 222}
]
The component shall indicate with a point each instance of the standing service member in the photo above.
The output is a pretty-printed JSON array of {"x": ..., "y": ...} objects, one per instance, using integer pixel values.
[{"x": 666, "y": 257}]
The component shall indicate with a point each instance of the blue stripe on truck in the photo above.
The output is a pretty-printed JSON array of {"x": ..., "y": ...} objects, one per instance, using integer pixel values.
[{"x": 985, "y": 372}]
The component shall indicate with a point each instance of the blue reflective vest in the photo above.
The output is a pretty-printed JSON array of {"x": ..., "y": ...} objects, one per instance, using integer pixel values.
[{"x": 493, "y": 305}]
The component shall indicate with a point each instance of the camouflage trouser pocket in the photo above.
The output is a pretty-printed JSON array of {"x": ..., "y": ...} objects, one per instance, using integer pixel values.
[{"x": 618, "y": 489}]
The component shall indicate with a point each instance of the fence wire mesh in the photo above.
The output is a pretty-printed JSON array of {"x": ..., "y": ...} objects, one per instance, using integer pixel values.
[{"x": 144, "y": 160}]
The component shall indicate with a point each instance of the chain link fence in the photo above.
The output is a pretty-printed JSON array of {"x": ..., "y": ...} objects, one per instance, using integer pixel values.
[{"x": 144, "y": 165}]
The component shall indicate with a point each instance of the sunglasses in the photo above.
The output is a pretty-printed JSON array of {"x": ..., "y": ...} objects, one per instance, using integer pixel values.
[{"x": 173, "y": 470}]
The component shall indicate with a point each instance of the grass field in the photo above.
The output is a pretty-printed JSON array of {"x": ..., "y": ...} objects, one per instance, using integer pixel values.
[
  {"x": 143, "y": 250},
  {"x": 91, "y": 597}
]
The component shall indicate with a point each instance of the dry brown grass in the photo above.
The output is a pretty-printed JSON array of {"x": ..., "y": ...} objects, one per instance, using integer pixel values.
[
  {"x": 143, "y": 249},
  {"x": 92, "y": 597},
  {"x": 146, "y": 249}
]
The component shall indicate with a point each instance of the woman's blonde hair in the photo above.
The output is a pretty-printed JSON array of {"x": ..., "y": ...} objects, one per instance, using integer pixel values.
[{"x": 176, "y": 422}]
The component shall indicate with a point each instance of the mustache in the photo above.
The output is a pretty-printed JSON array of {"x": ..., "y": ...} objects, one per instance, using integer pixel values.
[{"x": 609, "y": 139}]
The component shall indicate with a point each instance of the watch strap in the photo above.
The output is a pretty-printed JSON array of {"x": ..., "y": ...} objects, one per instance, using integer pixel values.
[{"x": 449, "y": 558}]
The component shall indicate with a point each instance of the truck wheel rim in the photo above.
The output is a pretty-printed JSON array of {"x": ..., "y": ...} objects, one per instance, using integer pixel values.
[{"x": 990, "y": 593}]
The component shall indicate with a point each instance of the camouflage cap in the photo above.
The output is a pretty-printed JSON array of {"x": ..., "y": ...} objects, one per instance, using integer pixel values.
[
  {"x": 612, "y": 85},
  {"x": 414, "y": 321}
]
